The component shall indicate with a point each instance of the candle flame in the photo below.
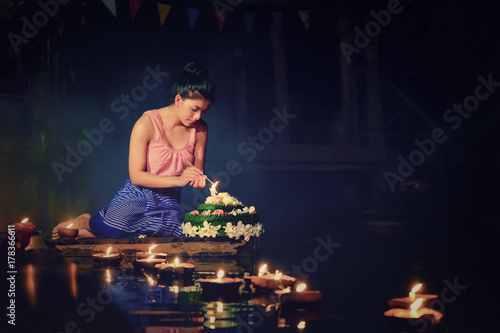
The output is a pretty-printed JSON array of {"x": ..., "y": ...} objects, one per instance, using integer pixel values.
[
  {"x": 214, "y": 187},
  {"x": 220, "y": 306},
  {"x": 220, "y": 274},
  {"x": 150, "y": 258},
  {"x": 175, "y": 289},
  {"x": 152, "y": 247},
  {"x": 108, "y": 276},
  {"x": 278, "y": 275},
  {"x": 69, "y": 226},
  {"x": 25, "y": 220},
  {"x": 301, "y": 287},
  {"x": 262, "y": 269},
  {"x": 416, "y": 288},
  {"x": 301, "y": 325},
  {"x": 176, "y": 262},
  {"x": 108, "y": 251},
  {"x": 415, "y": 306},
  {"x": 212, "y": 320}
]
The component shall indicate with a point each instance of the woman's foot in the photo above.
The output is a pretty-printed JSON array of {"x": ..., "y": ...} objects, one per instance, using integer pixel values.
[{"x": 81, "y": 222}]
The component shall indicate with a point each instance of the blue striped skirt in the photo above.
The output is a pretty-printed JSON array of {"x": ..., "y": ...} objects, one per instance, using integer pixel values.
[{"x": 138, "y": 210}]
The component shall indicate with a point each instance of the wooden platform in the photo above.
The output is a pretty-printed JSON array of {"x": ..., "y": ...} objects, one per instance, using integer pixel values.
[{"x": 219, "y": 247}]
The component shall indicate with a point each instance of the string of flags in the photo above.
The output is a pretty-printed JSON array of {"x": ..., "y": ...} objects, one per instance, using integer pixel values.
[{"x": 220, "y": 13}]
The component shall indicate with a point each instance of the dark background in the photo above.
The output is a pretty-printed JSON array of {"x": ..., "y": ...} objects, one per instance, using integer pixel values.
[{"x": 441, "y": 223}]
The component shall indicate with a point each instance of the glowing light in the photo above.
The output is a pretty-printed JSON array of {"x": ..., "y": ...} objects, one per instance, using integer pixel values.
[
  {"x": 301, "y": 325},
  {"x": 414, "y": 290},
  {"x": 220, "y": 274},
  {"x": 278, "y": 275},
  {"x": 213, "y": 190},
  {"x": 108, "y": 251},
  {"x": 108, "y": 276},
  {"x": 220, "y": 306},
  {"x": 69, "y": 226},
  {"x": 301, "y": 287},
  {"x": 262, "y": 269},
  {"x": 25, "y": 220},
  {"x": 212, "y": 320},
  {"x": 415, "y": 306},
  {"x": 152, "y": 247},
  {"x": 150, "y": 258},
  {"x": 176, "y": 262}
]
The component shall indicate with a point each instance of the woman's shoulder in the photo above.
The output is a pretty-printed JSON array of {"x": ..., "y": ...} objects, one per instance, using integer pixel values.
[{"x": 145, "y": 123}]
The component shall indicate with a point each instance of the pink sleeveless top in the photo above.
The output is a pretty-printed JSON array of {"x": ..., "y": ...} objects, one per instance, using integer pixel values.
[{"x": 162, "y": 159}]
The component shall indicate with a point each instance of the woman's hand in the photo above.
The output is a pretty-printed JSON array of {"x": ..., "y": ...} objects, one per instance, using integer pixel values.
[
  {"x": 200, "y": 182},
  {"x": 189, "y": 176}
]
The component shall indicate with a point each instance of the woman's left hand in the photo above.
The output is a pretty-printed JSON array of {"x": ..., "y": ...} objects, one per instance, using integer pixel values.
[{"x": 199, "y": 182}]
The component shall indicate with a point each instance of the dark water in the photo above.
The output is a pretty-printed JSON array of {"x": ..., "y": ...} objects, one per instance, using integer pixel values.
[{"x": 356, "y": 265}]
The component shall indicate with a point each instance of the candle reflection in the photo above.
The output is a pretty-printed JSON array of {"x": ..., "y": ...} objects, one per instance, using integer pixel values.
[
  {"x": 30, "y": 284},
  {"x": 72, "y": 274}
]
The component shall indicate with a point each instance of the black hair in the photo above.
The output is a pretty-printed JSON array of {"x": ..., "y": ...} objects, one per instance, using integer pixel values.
[{"x": 193, "y": 82}]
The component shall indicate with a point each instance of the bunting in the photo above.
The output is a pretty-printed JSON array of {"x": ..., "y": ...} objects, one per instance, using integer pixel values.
[
  {"x": 134, "y": 7},
  {"x": 111, "y": 5},
  {"x": 163, "y": 11},
  {"x": 249, "y": 18},
  {"x": 192, "y": 16},
  {"x": 305, "y": 16},
  {"x": 221, "y": 15}
]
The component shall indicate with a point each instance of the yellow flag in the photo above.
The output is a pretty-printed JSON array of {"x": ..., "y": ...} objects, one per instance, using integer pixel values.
[{"x": 163, "y": 10}]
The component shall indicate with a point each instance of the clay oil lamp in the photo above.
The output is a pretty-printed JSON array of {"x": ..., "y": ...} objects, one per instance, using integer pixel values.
[
  {"x": 405, "y": 302},
  {"x": 412, "y": 320},
  {"x": 299, "y": 296},
  {"x": 68, "y": 232},
  {"x": 108, "y": 258},
  {"x": 175, "y": 270},
  {"x": 24, "y": 229},
  {"x": 150, "y": 252},
  {"x": 220, "y": 286},
  {"x": 148, "y": 264},
  {"x": 272, "y": 281}
]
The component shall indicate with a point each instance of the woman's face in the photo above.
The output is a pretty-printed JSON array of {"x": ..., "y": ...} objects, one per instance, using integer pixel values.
[{"x": 190, "y": 111}]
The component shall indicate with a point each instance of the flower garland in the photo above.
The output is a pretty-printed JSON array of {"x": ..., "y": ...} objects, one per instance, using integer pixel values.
[{"x": 232, "y": 231}]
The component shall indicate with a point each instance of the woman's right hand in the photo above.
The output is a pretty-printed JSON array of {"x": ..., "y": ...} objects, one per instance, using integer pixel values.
[{"x": 190, "y": 174}]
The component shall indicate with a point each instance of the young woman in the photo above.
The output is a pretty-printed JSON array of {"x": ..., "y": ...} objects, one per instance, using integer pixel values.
[{"x": 163, "y": 144}]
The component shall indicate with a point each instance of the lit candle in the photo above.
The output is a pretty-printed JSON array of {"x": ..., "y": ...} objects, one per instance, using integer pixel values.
[
  {"x": 213, "y": 190},
  {"x": 24, "y": 229},
  {"x": 220, "y": 286},
  {"x": 175, "y": 270},
  {"x": 149, "y": 263},
  {"x": 405, "y": 302},
  {"x": 108, "y": 258},
  {"x": 299, "y": 295},
  {"x": 414, "y": 290},
  {"x": 68, "y": 232},
  {"x": 267, "y": 280},
  {"x": 398, "y": 319},
  {"x": 145, "y": 255}
]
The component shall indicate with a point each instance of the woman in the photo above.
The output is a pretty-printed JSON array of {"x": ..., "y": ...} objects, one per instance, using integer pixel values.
[{"x": 163, "y": 145}]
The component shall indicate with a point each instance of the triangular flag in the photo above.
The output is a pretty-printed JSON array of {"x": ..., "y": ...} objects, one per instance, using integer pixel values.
[
  {"x": 163, "y": 11},
  {"x": 192, "y": 16},
  {"x": 220, "y": 15},
  {"x": 111, "y": 4},
  {"x": 134, "y": 7},
  {"x": 249, "y": 17},
  {"x": 305, "y": 16}
]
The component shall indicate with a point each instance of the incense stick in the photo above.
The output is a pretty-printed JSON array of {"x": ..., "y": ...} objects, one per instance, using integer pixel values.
[{"x": 190, "y": 164}]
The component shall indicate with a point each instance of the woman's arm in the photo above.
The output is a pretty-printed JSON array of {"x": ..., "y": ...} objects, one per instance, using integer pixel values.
[
  {"x": 200, "y": 152},
  {"x": 142, "y": 133}
]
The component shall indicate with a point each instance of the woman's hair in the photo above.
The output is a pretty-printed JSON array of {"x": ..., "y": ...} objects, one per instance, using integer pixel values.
[{"x": 193, "y": 83}]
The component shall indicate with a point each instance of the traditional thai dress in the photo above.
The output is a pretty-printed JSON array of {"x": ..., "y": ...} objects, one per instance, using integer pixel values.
[{"x": 138, "y": 210}]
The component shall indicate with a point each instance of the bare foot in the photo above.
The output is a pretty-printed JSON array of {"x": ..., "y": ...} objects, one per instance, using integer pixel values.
[
  {"x": 81, "y": 222},
  {"x": 84, "y": 233}
]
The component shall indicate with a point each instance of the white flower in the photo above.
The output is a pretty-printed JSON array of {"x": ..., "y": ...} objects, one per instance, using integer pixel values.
[
  {"x": 208, "y": 230},
  {"x": 189, "y": 230},
  {"x": 206, "y": 212}
]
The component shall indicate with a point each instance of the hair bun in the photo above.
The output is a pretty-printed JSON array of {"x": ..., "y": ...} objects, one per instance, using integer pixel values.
[{"x": 194, "y": 68}]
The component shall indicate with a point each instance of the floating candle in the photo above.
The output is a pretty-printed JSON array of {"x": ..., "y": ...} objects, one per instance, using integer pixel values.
[
  {"x": 405, "y": 302},
  {"x": 299, "y": 295},
  {"x": 68, "y": 232},
  {"x": 221, "y": 285},
  {"x": 107, "y": 258},
  {"x": 175, "y": 270},
  {"x": 149, "y": 263},
  {"x": 145, "y": 255},
  {"x": 24, "y": 229},
  {"x": 267, "y": 280}
]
